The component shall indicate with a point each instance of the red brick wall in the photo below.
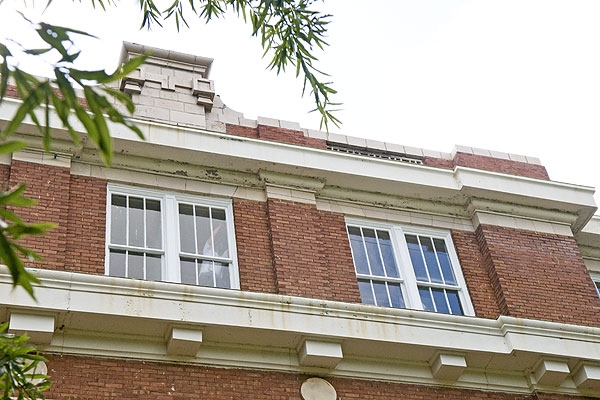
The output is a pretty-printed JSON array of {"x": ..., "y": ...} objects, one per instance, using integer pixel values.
[
  {"x": 501, "y": 165},
  {"x": 311, "y": 252},
  {"x": 4, "y": 175},
  {"x": 475, "y": 274},
  {"x": 490, "y": 164},
  {"x": 255, "y": 259},
  {"x": 49, "y": 186},
  {"x": 277, "y": 135},
  {"x": 96, "y": 378},
  {"x": 86, "y": 226},
  {"x": 538, "y": 275}
]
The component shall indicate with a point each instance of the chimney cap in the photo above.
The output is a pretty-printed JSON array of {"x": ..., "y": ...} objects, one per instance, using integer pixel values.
[{"x": 170, "y": 58}]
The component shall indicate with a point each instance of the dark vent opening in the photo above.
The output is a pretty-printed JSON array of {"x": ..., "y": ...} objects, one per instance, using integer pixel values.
[{"x": 387, "y": 155}]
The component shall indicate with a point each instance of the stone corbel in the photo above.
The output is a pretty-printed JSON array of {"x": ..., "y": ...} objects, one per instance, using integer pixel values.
[
  {"x": 587, "y": 375},
  {"x": 550, "y": 372},
  {"x": 39, "y": 327},
  {"x": 321, "y": 354},
  {"x": 133, "y": 83},
  {"x": 448, "y": 366},
  {"x": 184, "y": 340},
  {"x": 205, "y": 90}
]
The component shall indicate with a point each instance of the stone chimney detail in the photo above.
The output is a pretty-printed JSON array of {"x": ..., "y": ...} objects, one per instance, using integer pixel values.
[{"x": 170, "y": 86}]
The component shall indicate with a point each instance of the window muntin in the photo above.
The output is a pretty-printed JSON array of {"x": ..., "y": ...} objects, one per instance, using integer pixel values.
[
  {"x": 149, "y": 238},
  {"x": 135, "y": 248},
  {"x": 204, "y": 246},
  {"x": 424, "y": 267},
  {"x": 379, "y": 281}
]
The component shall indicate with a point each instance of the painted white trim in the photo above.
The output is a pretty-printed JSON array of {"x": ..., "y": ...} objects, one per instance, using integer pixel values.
[
  {"x": 400, "y": 247},
  {"x": 335, "y": 169},
  {"x": 259, "y": 330},
  {"x": 170, "y": 226}
]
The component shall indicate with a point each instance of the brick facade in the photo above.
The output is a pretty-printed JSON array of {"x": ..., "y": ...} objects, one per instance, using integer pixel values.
[
  {"x": 86, "y": 226},
  {"x": 255, "y": 259},
  {"x": 49, "y": 186},
  {"x": 97, "y": 378},
  {"x": 475, "y": 274},
  {"x": 303, "y": 242},
  {"x": 538, "y": 275}
]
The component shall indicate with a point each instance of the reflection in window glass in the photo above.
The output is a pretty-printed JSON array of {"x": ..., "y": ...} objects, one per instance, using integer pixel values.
[
  {"x": 373, "y": 252},
  {"x": 205, "y": 246},
  {"x": 358, "y": 250},
  {"x": 435, "y": 275},
  {"x": 118, "y": 214},
  {"x": 414, "y": 249},
  {"x": 366, "y": 292},
  {"x": 136, "y": 222},
  {"x": 444, "y": 259},
  {"x": 187, "y": 237}
]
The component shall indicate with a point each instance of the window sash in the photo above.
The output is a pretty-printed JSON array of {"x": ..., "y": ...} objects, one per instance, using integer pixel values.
[
  {"x": 408, "y": 280},
  {"x": 170, "y": 243}
]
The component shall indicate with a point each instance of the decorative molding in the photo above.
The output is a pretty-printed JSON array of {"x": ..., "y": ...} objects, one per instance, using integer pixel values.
[
  {"x": 39, "y": 327},
  {"x": 317, "y": 353},
  {"x": 116, "y": 317},
  {"x": 448, "y": 366}
]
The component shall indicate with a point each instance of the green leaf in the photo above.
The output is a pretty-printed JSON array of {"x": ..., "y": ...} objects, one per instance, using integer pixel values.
[{"x": 12, "y": 146}]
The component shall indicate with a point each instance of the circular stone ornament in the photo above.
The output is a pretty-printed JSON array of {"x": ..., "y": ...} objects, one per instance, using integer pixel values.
[{"x": 317, "y": 389}]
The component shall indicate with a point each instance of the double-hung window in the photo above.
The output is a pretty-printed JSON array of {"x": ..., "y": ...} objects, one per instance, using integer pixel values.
[
  {"x": 173, "y": 237},
  {"x": 407, "y": 267}
]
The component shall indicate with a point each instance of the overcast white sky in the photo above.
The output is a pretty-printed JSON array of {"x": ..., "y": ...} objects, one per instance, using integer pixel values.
[{"x": 521, "y": 76}]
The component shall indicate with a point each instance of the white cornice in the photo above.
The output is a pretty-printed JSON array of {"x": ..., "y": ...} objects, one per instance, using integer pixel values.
[
  {"x": 98, "y": 314},
  {"x": 339, "y": 171}
]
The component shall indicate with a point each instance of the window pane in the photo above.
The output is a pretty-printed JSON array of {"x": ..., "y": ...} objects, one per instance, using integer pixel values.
[
  {"x": 373, "y": 252},
  {"x": 203, "y": 231},
  {"x": 188, "y": 271},
  {"x": 220, "y": 232},
  {"x": 366, "y": 294},
  {"x": 135, "y": 265},
  {"x": 416, "y": 258},
  {"x": 432, "y": 264},
  {"x": 118, "y": 215},
  {"x": 387, "y": 252},
  {"x": 222, "y": 275},
  {"x": 454, "y": 301},
  {"x": 136, "y": 221},
  {"x": 426, "y": 298},
  {"x": 381, "y": 294},
  {"x": 186, "y": 228},
  {"x": 116, "y": 264},
  {"x": 153, "y": 267},
  {"x": 442, "y": 254},
  {"x": 153, "y": 224},
  {"x": 440, "y": 301},
  {"x": 396, "y": 295},
  {"x": 205, "y": 275},
  {"x": 358, "y": 251}
]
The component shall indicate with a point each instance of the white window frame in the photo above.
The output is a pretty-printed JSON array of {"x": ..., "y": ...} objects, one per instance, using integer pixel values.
[
  {"x": 596, "y": 279},
  {"x": 170, "y": 227},
  {"x": 408, "y": 280}
]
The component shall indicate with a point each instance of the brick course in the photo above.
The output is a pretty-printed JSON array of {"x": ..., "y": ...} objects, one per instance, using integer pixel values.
[
  {"x": 255, "y": 259},
  {"x": 49, "y": 186},
  {"x": 475, "y": 274},
  {"x": 311, "y": 252},
  {"x": 538, "y": 275},
  {"x": 97, "y": 378},
  {"x": 86, "y": 226}
]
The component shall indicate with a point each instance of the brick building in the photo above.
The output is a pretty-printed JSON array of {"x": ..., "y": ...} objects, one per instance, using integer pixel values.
[{"x": 227, "y": 258}]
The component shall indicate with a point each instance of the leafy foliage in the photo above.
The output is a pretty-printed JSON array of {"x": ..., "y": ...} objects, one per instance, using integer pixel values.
[
  {"x": 289, "y": 29},
  {"x": 19, "y": 371},
  {"x": 40, "y": 97}
]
